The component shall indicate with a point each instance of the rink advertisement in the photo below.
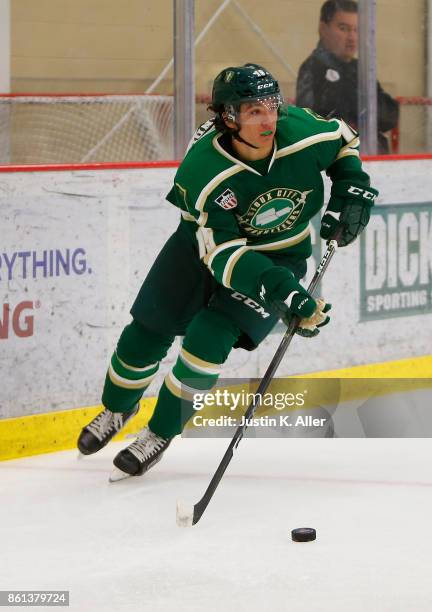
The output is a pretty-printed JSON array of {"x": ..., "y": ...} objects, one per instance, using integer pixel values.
[
  {"x": 74, "y": 248},
  {"x": 396, "y": 262},
  {"x": 18, "y": 271},
  {"x": 76, "y": 245}
]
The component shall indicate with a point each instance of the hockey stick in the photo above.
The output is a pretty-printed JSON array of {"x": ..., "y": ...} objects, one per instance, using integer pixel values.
[{"x": 187, "y": 516}]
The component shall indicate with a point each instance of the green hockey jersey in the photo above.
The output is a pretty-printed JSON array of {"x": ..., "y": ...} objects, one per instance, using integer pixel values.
[{"x": 241, "y": 213}]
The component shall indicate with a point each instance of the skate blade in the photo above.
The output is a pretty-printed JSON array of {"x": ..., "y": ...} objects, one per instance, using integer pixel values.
[
  {"x": 117, "y": 475},
  {"x": 80, "y": 456}
]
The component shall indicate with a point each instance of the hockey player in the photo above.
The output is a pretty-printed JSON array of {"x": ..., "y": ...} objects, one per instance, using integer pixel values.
[{"x": 246, "y": 191}]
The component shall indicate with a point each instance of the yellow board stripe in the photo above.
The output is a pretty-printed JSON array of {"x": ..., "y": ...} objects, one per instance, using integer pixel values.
[
  {"x": 55, "y": 431},
  {"x": 413, "y": 367}
]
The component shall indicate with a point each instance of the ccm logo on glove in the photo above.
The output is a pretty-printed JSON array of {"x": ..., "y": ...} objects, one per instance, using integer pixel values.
[{"x": 368, "y": 195}]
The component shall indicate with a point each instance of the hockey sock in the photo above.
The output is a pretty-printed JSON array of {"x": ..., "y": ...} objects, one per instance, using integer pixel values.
[
  {"x": 206, "y": 346},
  {"x": 133, "y": 366}
]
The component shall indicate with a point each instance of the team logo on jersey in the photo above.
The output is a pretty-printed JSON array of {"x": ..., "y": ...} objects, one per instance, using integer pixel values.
[
  {"x": 227, "y": 200},
  {"x": 275, "y": 211}
]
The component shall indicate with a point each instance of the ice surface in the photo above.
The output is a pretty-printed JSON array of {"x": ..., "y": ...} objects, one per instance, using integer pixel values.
[{"x": 117, "y": 546}]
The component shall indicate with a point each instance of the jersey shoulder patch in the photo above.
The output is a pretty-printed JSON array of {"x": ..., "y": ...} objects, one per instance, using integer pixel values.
[{"x": 227, "y": 199}]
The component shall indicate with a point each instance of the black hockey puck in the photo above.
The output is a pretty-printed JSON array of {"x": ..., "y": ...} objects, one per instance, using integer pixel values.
[{"x": 303, "y": 534}]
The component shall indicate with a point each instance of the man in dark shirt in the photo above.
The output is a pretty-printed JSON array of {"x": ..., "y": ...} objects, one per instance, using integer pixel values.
[{"x": 327, "y": 79}]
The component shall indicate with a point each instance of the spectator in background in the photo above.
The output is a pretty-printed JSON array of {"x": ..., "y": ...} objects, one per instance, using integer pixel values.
[{"x": 327, "y": 79}]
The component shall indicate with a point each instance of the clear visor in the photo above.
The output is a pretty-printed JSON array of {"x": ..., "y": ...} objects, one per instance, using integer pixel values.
[
  {"x": 250, "y": 105},
  {"x": 271, "y": 102}
]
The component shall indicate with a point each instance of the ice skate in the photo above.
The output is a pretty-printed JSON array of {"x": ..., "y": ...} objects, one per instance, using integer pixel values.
[
  {"x": 139, "y": 456},
  {"x": 102, "y": 429}
]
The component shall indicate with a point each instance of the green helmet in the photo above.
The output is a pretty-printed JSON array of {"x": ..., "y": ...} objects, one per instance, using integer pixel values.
[{"x": 238, "y": 84}]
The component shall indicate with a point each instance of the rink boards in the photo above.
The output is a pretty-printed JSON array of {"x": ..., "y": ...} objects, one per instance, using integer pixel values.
[{"x": 76, "y": 245}]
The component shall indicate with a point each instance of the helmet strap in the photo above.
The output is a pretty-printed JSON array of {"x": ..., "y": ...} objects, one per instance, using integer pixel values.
[
  {"x": 236, "y": 134},
  {"x": 232, "y": 115}
]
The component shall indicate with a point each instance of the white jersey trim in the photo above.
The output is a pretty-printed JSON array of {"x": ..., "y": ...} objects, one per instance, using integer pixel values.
[
  {"x": 280, "y": 244},
  {"x": 216, "y": 180},
  {"x": 222, "y": 151},
  {"x": 237, "y": 242},
  {"x": 308, "y": 142},
  {"x": 205, "y": 128}
]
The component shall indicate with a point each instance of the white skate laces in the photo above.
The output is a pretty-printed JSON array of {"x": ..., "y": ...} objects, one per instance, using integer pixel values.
[
  {"x": 105, "y": 422},
  {"x": 146, "y": 445}
]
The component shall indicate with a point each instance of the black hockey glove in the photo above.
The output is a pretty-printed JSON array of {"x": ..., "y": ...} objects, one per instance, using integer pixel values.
[
  {"x": 348, "y": 210},
  {"x": 308, "y": 326}
]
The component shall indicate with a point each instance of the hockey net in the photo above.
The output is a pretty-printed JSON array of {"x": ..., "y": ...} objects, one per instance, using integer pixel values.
[
  {"x": 74, "y": 129},
  {"x": 68, "y": 129}
]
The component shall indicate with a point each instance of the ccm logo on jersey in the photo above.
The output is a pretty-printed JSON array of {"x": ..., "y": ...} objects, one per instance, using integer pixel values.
[
  {"x": 227, "y": 200},
  {"x": 368, "y": 195}
]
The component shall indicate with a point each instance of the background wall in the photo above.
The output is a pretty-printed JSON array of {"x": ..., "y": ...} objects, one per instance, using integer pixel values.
[
  {"x": 104, "y": 46},
  {"x": 77, "y": 245},
  {"x": 4, "y": 45}
]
